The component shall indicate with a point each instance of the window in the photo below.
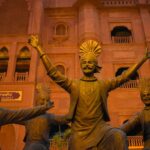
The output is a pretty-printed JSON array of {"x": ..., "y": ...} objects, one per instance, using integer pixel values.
[
  {"x": 61, "y": 68},
  {"x": 133, "y": 83},
  {"x": 60, "y": 32},
  {"x": 121, "y": 35},
  {"x": 61, "y": 29},
  {"x": 3, "y": 62},
  {"x": 23, "y": 64}
]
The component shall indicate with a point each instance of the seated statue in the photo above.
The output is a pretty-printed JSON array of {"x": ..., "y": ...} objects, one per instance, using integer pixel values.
[
  {"x": 141, "y": 121},
  {"x": 88, "y": 110},
  {"x": 8, "y": 116},
  {"x": 38, "y": 129}
]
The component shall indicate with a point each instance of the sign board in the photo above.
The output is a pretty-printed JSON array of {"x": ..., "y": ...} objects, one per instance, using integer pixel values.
[{"x": 10, "y": 96}]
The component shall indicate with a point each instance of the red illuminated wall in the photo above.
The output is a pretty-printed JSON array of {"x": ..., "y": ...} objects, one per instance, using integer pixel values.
[{"x": 62, "y": 26}]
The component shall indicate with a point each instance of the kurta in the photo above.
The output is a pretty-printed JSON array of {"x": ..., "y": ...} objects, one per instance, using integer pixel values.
[{"x": 88, "y": 126}]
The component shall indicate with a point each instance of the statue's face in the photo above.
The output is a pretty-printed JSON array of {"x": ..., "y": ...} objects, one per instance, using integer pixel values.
[
  {"x": 88, "y": 65},
  {"x": 145, "y": 96}
]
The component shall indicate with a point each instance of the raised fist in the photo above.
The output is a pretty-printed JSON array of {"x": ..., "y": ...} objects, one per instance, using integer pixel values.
[{"x": 34, "y": 41}]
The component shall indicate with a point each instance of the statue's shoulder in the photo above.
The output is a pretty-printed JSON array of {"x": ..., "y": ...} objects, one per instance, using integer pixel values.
[
  {"x": 101, "y": 82},
  {"x": 75, "y": 83}
]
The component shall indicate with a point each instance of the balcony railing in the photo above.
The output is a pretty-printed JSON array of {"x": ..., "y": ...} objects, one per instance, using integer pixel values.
[
  {"x": 61, "y": 145},
  {"x": 118, "y": 3},
  {"x": 135, "y": 142},
  {"x": 122, "y": 39},
  {"x": 130, "y": 84},
  {"x": 2, "y": 76},
  {"x": 21, "y": 76}
]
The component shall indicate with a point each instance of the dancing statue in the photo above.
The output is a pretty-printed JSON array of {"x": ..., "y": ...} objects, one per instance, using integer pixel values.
[
  {"x": 141, "y": 121},
  {"x": 88, "y": 110}
]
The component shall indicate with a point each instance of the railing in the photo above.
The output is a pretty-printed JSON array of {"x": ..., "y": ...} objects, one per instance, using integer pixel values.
[
  {"x": 130, "y": 84},
  {"x": 2, "y": 76},
  {"x": 135, "y": 142},
  {"x": 21, "y": 76},
  {"x": 122, "y": 39},
  {"x": 119, "y": 2},
  {"x": 61, "y": 145}
]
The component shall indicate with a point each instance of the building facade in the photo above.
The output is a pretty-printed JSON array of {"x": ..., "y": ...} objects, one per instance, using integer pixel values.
[{"x": 121, "y": 27}]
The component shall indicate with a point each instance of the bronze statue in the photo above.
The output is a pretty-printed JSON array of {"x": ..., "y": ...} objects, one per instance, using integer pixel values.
[
  {"x": 38, "y": 129},
  {"x": 141, "y": 121},
  {"x": 13, "y": 116},
  {"x": 88, "y": 110}
]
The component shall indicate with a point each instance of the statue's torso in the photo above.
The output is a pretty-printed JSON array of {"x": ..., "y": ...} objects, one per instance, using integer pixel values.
[{"x": 88, "y": 125}]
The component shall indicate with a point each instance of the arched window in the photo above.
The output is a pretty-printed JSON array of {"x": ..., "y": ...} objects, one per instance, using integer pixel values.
[
  {"x": 122, "y": 69},
  {"x": 61, "y": 68},
  {"x": 61, "y": 32},
  {"x": 121, "y": 34},
  {"x": 3, "y": 62},
  {"x": 23, "y": 64},
  {"x": 61, "y": 29},
  {"x": 133, "y": 83}
]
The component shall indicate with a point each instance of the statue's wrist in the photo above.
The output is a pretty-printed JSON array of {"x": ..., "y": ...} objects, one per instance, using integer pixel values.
[{"x": 40, "y": 51}]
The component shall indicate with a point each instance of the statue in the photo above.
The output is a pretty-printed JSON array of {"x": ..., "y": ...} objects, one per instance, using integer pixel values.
[
  {"x": 88, "y": 110},
  {"x": 12, "y": 116},
  {"x": 141, "y": 121},
  {"x": 38, "y": 129}
]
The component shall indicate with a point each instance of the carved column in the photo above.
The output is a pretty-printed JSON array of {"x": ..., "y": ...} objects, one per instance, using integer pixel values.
[
  {"x": 145, "y": 16},
  {"x": 11, "y": 63},
  {"x": 88, "y": 21},
  {"x": 36, "y": 16}
]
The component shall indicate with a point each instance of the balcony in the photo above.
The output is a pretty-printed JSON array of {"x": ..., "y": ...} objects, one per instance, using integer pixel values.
[
  {"x": 122, "y": 39},
  {"x": 60, "y": 145},
  {"x": 122, "y": 3},
  {"x": 135, "y": 143},
  {"x": 130, "y": 84},
  {"x": 21, "y": 76},
  {"x": 2, "y": 76}
]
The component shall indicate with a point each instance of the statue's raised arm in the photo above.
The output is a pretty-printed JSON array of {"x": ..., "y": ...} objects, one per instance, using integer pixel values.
[
  {"x": 52, "y": 71},
  {"x": 126, "y": 75}
]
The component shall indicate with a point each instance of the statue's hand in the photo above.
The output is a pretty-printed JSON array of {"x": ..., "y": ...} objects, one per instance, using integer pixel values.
[{"x": 34, "y": 41}]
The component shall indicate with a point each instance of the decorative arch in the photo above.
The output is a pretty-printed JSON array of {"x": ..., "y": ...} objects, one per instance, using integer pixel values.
[
  {"x": 122, "y": 69},
  {"x": 121, "y": 34},
  {"x": 23, "y": 64},
  {"x": 61, "y": 31},
  {"x": 3, "y": 62},
  {"x": 61, "y": 68},
  {"x": 133, "y": 82}
]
